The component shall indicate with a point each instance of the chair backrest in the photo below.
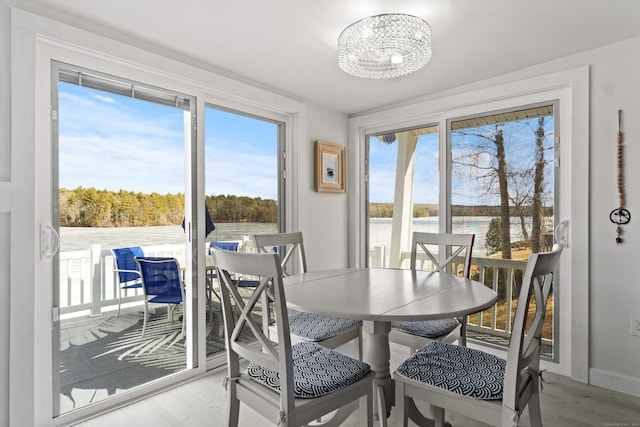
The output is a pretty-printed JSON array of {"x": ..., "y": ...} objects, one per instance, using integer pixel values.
[
  {"x": 290, "y": 244},
  {"x": 523, "y": 356},
  {"x": 227, "y": 246},
  {"x": 125, "y": 263},
  {"x": 160, "y": 276},
  {"x": 450, "y": 246},
  {"x": 276, "y": 357}
]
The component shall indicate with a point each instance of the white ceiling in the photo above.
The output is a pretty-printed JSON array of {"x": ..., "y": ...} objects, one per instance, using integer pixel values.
[{"x": 290, "y": 45}]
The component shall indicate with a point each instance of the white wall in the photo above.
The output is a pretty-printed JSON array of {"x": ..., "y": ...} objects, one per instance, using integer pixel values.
[
  {"x": 5, "y": 196},
  {"x": 614, "y": 288},
  {"x": 323, "y": 216}
]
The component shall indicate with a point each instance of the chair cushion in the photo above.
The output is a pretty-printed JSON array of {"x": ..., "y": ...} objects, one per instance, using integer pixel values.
[
  {"x": 427, "y": 328},
  {"x": 317, "y": 371},
  {"x": 460, "y": 370},
  {"x": 316, "y": 327}
]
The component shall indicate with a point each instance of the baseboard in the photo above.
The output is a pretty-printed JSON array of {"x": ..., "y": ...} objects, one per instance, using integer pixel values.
[{"x": 615, "y": 382}]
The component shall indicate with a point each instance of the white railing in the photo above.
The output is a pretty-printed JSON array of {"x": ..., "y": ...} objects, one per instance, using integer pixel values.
[
  {"x": 88, "y": 282},
  {"x": 492, "y": 272}
]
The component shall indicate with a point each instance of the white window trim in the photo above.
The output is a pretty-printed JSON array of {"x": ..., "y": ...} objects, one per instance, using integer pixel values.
[
  {"x": 37, "y": 40},
  {"x": 571, "y": 87}
]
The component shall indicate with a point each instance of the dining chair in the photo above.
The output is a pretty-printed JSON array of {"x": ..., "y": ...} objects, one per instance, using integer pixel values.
[
  {"x": 328, "y": 331},
  {"x": 477, "y": 384},
  {"x": 290, "y": 385},
  {"x": 162, "y": 284},
  {"x": 450, "y": 253},
  {"x": 126, "y": 273}
]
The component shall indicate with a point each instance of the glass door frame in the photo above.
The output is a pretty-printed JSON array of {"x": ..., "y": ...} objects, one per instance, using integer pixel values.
[
  {"x": 191, "y": 217},
  {"x": 283, "y": 123}
]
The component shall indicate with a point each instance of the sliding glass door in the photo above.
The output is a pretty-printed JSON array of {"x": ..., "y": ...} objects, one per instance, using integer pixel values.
[
  {"x": 119, "y": 188},
  {"x": 243, "y": 182},
  {"x": 500, "y": 182}
]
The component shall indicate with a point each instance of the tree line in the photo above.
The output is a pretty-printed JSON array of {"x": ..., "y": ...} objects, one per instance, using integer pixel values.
[
  {"x": 385, "y": 210},
  {"x": 89, "y": 207}
]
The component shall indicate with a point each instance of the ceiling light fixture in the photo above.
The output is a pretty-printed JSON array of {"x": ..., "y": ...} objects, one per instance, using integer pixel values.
[{"x": 385, "y": 46}]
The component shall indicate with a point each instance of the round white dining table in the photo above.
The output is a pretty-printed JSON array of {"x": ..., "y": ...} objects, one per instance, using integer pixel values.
[{"x": 379, "y": 296}]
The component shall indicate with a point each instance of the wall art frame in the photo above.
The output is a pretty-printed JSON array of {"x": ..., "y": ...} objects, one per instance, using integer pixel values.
[{"x": 330, "y": 174}]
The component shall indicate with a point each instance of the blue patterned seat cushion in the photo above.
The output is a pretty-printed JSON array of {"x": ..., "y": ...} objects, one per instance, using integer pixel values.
[
  {"x": 427, "y": 328},
  {"x": 317, "y": 371},
  {"x": 316, "y": 327},
  {"x": 460, "y": 370}
]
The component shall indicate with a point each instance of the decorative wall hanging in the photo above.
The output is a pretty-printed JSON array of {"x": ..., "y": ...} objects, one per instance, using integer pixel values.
[
  {"x": 620, "y": 215},
  {"x": 330, "y": 167}
]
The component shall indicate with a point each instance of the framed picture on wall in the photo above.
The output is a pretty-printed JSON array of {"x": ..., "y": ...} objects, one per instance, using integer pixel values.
[{"x": 330, "y": 167}]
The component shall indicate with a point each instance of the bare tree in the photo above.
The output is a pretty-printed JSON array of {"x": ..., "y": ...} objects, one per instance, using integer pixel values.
[
  {"x": 496, "y": 172},
  {"x": 538, "y": 187},
  {"x": 520, "y": 194}
]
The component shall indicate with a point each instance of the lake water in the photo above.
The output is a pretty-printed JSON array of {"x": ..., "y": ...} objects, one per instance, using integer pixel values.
[
  {"x": 81, "y": 238},
  {"x": 380, "y": 229}
]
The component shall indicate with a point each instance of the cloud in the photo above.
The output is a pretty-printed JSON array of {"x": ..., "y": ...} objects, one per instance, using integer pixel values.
[{"x": 102, "y": 98}]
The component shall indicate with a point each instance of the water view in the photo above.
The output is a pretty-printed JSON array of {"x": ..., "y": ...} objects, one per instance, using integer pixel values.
[{"x": 81, "y": 238}]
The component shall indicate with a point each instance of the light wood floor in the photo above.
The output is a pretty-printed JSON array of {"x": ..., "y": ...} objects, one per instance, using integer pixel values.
[{"x": 564, "y": 403}]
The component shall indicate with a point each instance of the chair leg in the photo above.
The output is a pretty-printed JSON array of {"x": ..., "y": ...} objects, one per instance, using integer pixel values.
[
  {"x": 463, "y": 332},
  {"x": 144, "y": 322},
  {"x": 401, "y": 407},
  {"x": 233, "y": 409},
  {"x": 535, "y": 415},
  {"x": 119, "y": 301},
  {"x": 438, "y": 416},
  {"x": 360, "y": 339}
]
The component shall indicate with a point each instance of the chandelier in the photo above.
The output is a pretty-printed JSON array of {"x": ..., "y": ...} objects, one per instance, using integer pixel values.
[{"x": 385, "y": 46}]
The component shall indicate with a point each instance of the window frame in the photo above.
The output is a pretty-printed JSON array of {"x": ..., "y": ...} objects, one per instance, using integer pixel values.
[{"x": 572, "y": 90}]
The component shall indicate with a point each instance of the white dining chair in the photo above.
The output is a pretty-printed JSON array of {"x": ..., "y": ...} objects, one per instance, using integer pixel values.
[
  {"x": 290, "y": 385},
  {"x": 477, "y": 384},
  {"x": 450, "y": 253},
  {"x": 328, "y": 331}
]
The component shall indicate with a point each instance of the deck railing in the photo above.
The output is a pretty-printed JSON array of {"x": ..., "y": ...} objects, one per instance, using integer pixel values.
[
  {"x": 502, "y": 275},
  {"x": 88, "y": 283}
]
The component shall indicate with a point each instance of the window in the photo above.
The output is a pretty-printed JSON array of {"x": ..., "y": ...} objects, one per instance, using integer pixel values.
[{"x": 403, "y": 192}]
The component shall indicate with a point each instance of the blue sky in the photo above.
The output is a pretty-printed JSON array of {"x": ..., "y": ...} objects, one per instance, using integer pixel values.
[
  {"x": 114, "y": 142},
  {"x": 382, "y": 170}
]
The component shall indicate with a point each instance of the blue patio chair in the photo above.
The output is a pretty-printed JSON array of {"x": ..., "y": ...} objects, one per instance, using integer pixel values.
[
  {"x": 162, "y": 284},
  {"x": 126, "y": 271},
  {"x": 227, "y": 246}
]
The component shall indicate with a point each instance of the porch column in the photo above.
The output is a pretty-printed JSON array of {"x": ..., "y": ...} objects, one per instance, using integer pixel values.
[{"x": 403, "y": 196}]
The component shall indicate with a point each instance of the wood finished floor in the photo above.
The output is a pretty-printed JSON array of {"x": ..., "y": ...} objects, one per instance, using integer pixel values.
[{"x": 565, "y": 403}]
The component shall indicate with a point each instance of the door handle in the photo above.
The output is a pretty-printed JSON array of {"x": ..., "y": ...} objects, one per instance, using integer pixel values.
[
  {"x": 561, "y": 233},
  {"x": 49, "y": 242}
]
